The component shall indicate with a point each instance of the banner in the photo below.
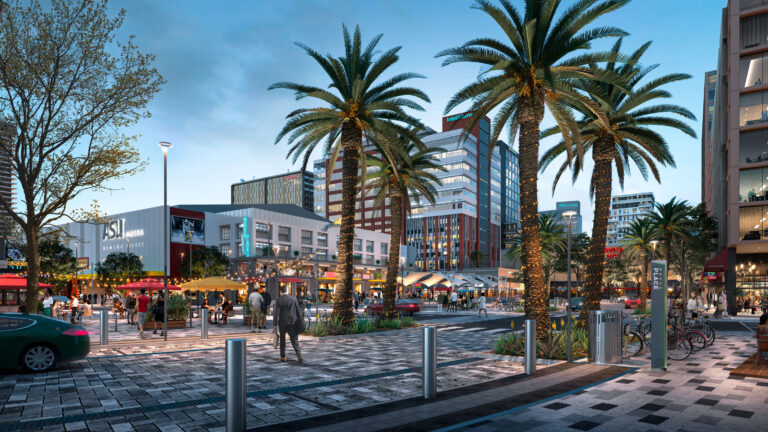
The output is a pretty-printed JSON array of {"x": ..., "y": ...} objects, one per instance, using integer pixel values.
[{"x": 187, "y": 230}]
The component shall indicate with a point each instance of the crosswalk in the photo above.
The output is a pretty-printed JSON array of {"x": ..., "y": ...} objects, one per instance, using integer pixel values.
[{"x": 467, "y": 330}]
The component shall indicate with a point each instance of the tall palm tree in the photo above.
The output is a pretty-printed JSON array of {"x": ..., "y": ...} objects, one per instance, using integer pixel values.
[
  {"x": 670, "y": 219},
  {"x": 357, "y": 105},
  {"x": 637, "y": 243},
  {"x": 620, "y": 136},
  {"x": 410, "y": 177},
  {"x": 553, "y": 243},
  {"x": 525, "y": 74}
]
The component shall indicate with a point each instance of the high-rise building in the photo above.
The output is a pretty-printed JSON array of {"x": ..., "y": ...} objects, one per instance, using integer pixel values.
[
  {"x": 7, "y": 137},
  {"x": 295, "y": 188},
  {"x": 507, "y": 161},
  {"x": 626, "y": 209},
  {"x": 565, "y": 206},
  {"x": 738, "y": 150},
  {"x": 710, "y": 84}
]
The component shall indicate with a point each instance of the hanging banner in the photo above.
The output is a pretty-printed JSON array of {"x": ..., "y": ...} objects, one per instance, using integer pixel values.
[{"x": 659, "y": 314}]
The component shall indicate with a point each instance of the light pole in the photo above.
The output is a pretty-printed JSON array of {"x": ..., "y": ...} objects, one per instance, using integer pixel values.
[
  {"x": 569, "y": 351},
  {"x": 191, "y": 233},
  {"x": 653, "y": 245},
  {"x": 165, "y": 146}
]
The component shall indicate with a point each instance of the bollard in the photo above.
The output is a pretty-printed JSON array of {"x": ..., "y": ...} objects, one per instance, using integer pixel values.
[
  {"x": 530, "y": 347},
  {"x": 429, "y": 366},
  {"x": 235, "y": 373},
  {"x": 203, "y": 323},
  {"x": 116, "y": 323},
  {"x": 104, "y": 327}
]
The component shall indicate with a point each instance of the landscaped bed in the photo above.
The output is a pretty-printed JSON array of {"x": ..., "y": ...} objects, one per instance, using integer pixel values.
[
  {"x": 552, "y": 346},
  {"x": 361, "y": 324}
]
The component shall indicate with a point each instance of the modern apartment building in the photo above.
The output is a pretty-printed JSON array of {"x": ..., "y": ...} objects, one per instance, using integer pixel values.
[
  {"x": 565, "y": 206},
  {"x": 738, "y": 153},
  {"x": 508, "y": 162},
  {"x": 7, "y": 136},
  {"x": 296, "y": 188},
  {"x": 625, "y": 209},
  {"x": 710, "y": 85}
]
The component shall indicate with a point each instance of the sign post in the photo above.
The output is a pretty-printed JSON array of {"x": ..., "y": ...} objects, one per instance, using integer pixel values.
[{"x": 659, "y": 314}]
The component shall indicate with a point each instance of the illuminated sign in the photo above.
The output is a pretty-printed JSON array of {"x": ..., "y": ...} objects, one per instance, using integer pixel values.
[
  {"x": 458, "y": 117},
  {"x": 82, "y": 263},
  {"x": 244, "y": 246},
  {"x": 613, "y": 252},
  {"x": 114, "y": 230}
]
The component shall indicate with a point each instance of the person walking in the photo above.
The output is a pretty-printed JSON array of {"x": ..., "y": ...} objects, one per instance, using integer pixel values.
[
  {"x": 481, "y": 306},
  {"x": 287, "y": 320},
  {"x": 454, "y": 301},
  {"x": 254, "y": 301},
  {"x": 130, "y": 308},
  {"x": 47, "y": 304},
  {"x": 440, "y": 302},
  {"x": 74, "y": 305},
  {"x": 356, "y": 297},
  {"x": 141, "y": 310},
  {"x": 159, "y": 312},
  {"x": 694, "y": 306},
  {"x": 267, "y": 301}
]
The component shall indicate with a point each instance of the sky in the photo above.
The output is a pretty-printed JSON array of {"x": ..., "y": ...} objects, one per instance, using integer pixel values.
[{"x": 219, "y": 58}]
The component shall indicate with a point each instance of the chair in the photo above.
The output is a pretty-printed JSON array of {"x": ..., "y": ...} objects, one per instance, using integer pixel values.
[{"x": 762, "y": 341}]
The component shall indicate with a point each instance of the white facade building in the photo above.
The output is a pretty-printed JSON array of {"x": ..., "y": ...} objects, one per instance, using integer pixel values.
[{"x": 625, "y": 209}]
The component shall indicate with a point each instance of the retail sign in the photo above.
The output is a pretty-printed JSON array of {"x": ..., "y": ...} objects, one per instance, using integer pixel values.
[
  {"x": 83, "y": 263},
  {"x": 330, "y": 275},
  {"x": 16, "y": 260},
  {"x": 245, "y": 245},
  {"x": 458, "y": 117},
  {"x": 114, "y": 230},
  {"x": 613, "y": 252},
  {"x": 187, "y": 230},
  {"x": 659, "y": 314}
]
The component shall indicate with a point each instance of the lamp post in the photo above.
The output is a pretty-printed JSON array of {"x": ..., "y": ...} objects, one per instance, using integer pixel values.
[
  {"x": 190, "y": 233},
  {"x": 165, "y": 146},
  {"x": 653, "y": 245},
  {"x": 569, "y": 351}
]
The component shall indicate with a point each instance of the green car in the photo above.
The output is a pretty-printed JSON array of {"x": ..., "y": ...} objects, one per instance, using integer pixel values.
[{"x": 38, "y": 343}]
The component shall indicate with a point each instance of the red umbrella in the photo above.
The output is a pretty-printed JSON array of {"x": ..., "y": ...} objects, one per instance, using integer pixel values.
[
  {"x": 14, "y": 282},
  {"x": 150, "y": 284}
]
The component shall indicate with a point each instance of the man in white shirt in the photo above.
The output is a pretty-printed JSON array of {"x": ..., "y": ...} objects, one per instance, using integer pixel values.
[
  {"x": 73, "y": 307},
  {"x": 255, "y": 300},
  {"x": 454, "y": 300}
]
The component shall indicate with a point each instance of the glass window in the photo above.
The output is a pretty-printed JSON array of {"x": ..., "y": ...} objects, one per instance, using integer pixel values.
[
  {"x": 753, "y": 146},
  {"x": 753, "y": 108},
  {"x": 369, "y": 246},
  {"x": 322, "y": 239},
  {"x": 369, "y": 259},
  {"x": 753, "y": 185},
  {"x": 238, "y": 251},
  {"x": 8, "y": 323},
  {"x": 322, "y": 254},
  {"x": 751, "y": 4},
  {"x": 753, "y": 31},
  {"x": 753, "y": 71},
  {"x": 752, "y": 223},
  {"x": 262, "y": 230},
  {"x": 358, "y": 245},
  {"x": 224, "y": 233},
  {"x": 284, "y": 234},
  {"x": 239, "y": 231},
  {"x": 306, "y": 251},
  {"x": 306, "y": 237},
  {"x": 384, "y": 249},
  {"x": 226, "y": 249}
]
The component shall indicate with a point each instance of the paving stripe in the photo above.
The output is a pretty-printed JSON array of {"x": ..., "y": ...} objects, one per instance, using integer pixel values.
[
  {"x": 164, "y": 352},
  {"x": 450, "y": 328},
  {"x": 471, "y": 329},
  {"x": 29, "y": 424},
  {"x": 495, "y": 331}
]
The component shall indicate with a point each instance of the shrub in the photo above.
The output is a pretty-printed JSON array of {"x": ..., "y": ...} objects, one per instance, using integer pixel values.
[
  {"x": 552, "y": 346},
  {"x": 362, "y": 324}
]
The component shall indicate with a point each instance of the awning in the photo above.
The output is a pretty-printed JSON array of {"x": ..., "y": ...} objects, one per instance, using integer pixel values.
[
  {"x": 15, "y": 282},
  {"x": 717, "y": 263},
  {"x": 291, "y": 280},
  {"x": 149, "y": 284}
]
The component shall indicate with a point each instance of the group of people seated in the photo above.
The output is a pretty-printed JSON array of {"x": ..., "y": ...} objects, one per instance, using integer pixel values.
[{"x": 224, "y": 305}]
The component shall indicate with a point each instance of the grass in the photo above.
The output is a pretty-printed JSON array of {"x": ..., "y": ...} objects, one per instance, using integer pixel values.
[
  {"x": 362, "y": 324},
  {"x": 552, "y": 346}
]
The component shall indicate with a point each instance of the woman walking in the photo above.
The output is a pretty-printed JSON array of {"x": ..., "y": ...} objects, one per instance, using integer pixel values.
[{"x": 481, "y": 306}]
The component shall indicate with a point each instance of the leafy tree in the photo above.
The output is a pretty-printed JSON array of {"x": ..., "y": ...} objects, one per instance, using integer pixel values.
[
  {"x": 118, "y": 268},
  {"x": 409, "y": 178},
  {"x": 358, "y": 105},
  {"x": 579, "y": 254},
  {"x": 67, "y": 88},
  {"x": 616, "y": 271},
  {"x": 693, "y": 248},
  {"x": 619, "y": 133},
  {"x": 57, "y": 263},
  {"x": 638, "y": 244},
  {"x": 531, "y": 70},
  {"x": 206, "y": 261}
]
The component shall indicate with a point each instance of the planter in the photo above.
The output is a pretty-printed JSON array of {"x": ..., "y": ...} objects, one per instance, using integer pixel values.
[{"x": 172, "y": 324}]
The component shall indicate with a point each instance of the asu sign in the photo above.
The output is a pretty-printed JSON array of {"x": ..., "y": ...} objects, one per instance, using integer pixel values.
[{"x": 114, "y": 230}]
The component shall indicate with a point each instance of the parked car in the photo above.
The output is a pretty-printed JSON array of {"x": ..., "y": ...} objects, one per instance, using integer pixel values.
[
  {"x": 576, "y": 303},
  {"x": 631, "y": 303},
  {"x": 403, "y": 307},
  {"x": 39, "y": 343}
]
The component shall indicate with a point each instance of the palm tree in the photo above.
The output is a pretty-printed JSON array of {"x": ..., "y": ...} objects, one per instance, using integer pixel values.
[
  {"x": 523, "y": 76},
  {"x": 357, "y": 105},
  {"x": 670, "y": 219},
  {"x": 619, "y": 136},
  {"x": 410, "y": 177},
  {"x": 553, "y": 243},
  {"x": 476, "y": 257},
  {"x": 638, "y": 238}
]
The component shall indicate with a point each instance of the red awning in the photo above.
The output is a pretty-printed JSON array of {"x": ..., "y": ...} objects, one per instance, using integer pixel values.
[
  {"x": 290, "y": 280},
  {"x": 14, "y": 282},
  {"x": 149, "y": 284},
  {"x": 717, "y": 263}
]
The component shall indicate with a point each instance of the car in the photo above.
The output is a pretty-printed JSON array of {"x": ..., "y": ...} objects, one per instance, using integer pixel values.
[
  {"x": 576, "y": 303},
  {"x": 403, "y": 306},
  {"x": 631, "y": 303},
  {"x": 39, "y": 343}
]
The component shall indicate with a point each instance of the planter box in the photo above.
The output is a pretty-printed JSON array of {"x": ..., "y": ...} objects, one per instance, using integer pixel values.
[{"x": 172, "y": 324}]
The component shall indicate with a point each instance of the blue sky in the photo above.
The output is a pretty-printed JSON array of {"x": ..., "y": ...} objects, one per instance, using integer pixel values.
[{"x": 219, "y": 60}]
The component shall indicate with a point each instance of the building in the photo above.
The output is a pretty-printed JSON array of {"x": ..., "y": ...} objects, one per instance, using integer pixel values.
[
  {"x": 565, "y": 206},
  {"x": 738, "y": 153},
  {"x": 297, "y": 188},
  {"x": 710, "y": 85},
  {"x": 625, "y": 209},
  {"x": 508, "y": 162},
  {"x": 7, "y": 135}
]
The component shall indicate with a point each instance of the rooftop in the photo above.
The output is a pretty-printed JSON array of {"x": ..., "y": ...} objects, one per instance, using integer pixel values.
[{"x": 289, "y": 209}]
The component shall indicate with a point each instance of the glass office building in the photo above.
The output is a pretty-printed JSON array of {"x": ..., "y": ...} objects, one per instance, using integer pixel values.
[{"x": 297, "y": 188}]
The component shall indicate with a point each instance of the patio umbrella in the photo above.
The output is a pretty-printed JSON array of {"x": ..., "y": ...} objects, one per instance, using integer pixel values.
[
  {"x": 12, "y": 282},
  {"x": 149, "y": 284},
  {"x": 60, "y": 298},
  {"x": 214, "y": 283}
]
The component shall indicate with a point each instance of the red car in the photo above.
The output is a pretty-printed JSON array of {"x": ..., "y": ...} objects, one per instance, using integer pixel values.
[
  {"x": 404, "y": 307},
  {"x": 631, "y": 303}
]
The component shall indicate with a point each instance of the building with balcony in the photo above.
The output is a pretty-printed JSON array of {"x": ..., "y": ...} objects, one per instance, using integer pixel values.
[
  {"x": 626, "y": 209},
  {"x": 296, "y": 188}
]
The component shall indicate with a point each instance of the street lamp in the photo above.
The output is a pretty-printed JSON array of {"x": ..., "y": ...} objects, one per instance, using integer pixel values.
[
  {"x": 653, "y": 245},
  {"x": 165, "y": 146},
  {"x": 569, "y": 351}
]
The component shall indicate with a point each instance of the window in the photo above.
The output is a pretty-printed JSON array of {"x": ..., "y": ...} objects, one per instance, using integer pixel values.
[
  {"x": 753, "y": 185},
  {"x": 753, "y": 108},
  {"x": 284, "y": 234},
  {"x": 751, "y": 4},
  {"x": 239, "y": 251},
  {"x": 754, "y": 31},
  {"x": 306, "y": 251},
  {"x": 358, "y": 245},
  {"x": 239, "y": 231},
  {"x": 226, "y": 249},
  {"x": 322, "y": 254},
  {"x": 369, "y": 259},
  {"x": 261, "y": 230},
  {"x": 369, "y": 246},
  {"x": 753, "y": 223},
  {"x": 753, "y": 146},
  {"x": 384, "y": 249},
  {"x": 322, "y": 239},
  {"x": 306, "y": 237},
  {"x": 8, "y": 323},
  {"x": 224, "y": 233}
]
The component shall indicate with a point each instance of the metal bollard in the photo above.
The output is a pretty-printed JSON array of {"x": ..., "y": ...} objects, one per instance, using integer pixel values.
[
  {"x": 429, "y": 366},
  {"x": 530, "y": 347},
  {"x": 235, "y": 404},
  {"x": 203, "y": 323},
  {"x": 116, "y": 322},
  {"x": 104, "y": 327}
]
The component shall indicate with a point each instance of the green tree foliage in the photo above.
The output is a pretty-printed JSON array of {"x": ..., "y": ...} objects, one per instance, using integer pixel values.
[
  {"x": 57, "y": 263},
  {"x": 118, "y": 268},
  {"x": 206, "y": 261},
  {"x": 553, "y": 244}
]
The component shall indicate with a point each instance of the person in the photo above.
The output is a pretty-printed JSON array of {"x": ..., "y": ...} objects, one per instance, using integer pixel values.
[
  {"x": 141, "y": 310},
  {"x": 694, "y": 306},
  {"x": 207, "y": 306},
  {"x": 267, "y": 300},
  {"x": 454, "y": 301},
  {"x": 356, "y": 298},
  {"x": 723, "y": 300},
  {"x": 308, "y": 305},
  {"x": 130, "y": 308},
  {"x": 440, "y": 302},
  {"x": 226, "y": 306},
  {"x": 73, "y": 307},
  {"x": 159, "y": 312},
  {"x": 118, "y": 308},
  {"x": 22, "y": 309},
  {"x": 254, "y": 301},
  {"x": 287, "y": 320},
  {"x": 47, "y": 304},
  {"x": 481, "y": 305}
]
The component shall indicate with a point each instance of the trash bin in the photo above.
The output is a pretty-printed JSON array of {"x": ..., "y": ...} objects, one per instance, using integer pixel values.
[{"x": 604, "y": 337}]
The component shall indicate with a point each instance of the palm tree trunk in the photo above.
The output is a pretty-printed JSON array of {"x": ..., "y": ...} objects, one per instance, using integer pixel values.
[
  {"x": 531, "y": 111},
  {"x": 390, "y": 288},
  {"x": 602, "y": 175},
  {"x": 644, "y": 281},
  {"x": 351, "y": 142}
]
